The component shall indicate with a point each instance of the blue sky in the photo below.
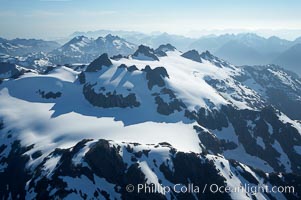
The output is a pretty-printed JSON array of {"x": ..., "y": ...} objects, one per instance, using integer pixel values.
[{"x": 59, "y": 18}]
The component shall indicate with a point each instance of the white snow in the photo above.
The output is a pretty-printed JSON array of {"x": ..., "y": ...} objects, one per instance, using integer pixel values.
[
  {"x": 260, "y": 142},
  {"x": 298, "y": 149},
  {"x": 286, "y": 120},
  {"x": 240, "y": 155},
  {"x": 228, "y": 134},
  {"x": 86, "y": 186},
  {"x": 35, "y": 125},
  {"x": 283, "y": 157},
  {"x": 51, "y": 163}
]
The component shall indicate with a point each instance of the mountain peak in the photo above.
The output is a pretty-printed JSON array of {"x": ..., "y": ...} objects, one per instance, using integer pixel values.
[
  {"x": 145, "y": 53},
  {"x": 111, "y": 37},
  {"x": 207, "y": 55},
  {"x": 79, "y": 38},
  {"x": 97, "y": 64},
  {"x": 192, "y": 55},
  {"x": 165, "y": 47}
]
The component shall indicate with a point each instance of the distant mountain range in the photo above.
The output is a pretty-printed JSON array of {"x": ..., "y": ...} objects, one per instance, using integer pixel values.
[
  {"x": 83, "y": 49},
  {"x": 291, "y": 58},
  {"x": 19, "y": 47},
  {"x": 240, "y": 49}
]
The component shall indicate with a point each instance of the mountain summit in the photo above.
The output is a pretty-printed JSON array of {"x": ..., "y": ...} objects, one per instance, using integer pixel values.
[
  {"x": 145, "y": 53},
  {"x": 88, "y": 131}
]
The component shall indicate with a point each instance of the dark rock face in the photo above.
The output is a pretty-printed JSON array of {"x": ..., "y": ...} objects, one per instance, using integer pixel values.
[
  {"x": 14, "y": 177},
  {"x": 207, "y": 55},
  {"x": 82, "y": 78},
  {"x": 192, "y": 55},
  {"x": 212, "y": 119},
  {"x": 286, "y": 180},
  {"x": 109, "y": 100},
  {"x": 117, "y": 57},
  {"x": 146, "y": 51},
  {"x": 187, "y": 167},
  {"x": 8, "y": 70},
  {"x": 265, "y": 124},
  {"x": 284, "y": 134},
  {"x": 132, "y": 68},
  {"x": 252, "y": 99},
  {"x": 50, "y": 95},
  {"x": 103, "y": 160},
  {"x": 173, "y": 105},
  {"x": 97, "y": 64},
  {"x": 122, "y": 66},
  {"x": 215, "y": 60},
  {"x": 282, "y": 88},
  {"x": 162, "y": 49},
  {"x": 212, "y": 143},
  {"x": 155, "y": 76}
]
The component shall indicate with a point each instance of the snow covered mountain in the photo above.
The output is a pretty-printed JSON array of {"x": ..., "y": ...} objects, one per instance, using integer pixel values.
[
  {"x": 82, "y": 49},
  {"x": 37, "y": 61},
  {"x": 157, "y": 116},
  {"x": 21, "y": 47}
]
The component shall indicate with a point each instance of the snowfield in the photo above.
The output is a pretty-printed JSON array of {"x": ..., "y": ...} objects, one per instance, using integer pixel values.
[{"x": 160, "y": 116}]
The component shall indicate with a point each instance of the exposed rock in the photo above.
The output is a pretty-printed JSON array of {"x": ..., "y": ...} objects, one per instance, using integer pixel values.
[
  {"x": 132, "y": 68},
  {"x": 284, "y": 134},
  {"x": 192, "y": 55},
  {"x": 165, "y": 47},
  {"x": 50, "y": 95},
  {"x": 212, "y": 143},
  {"x": 145, "y": 53},
  {"x": 8, "y": 70},
  {"x": 109, "y": 100},
  {"x": 283, "y": 89},
  {"x": 117, "y": 57},
  {"x": 82, "y": 78},
  {"x": 103, "y": 161},
  {"x": 122, "y": 66},
  {"x": 212, "y": 119},
  {"x": 160, "y": 53},
  {"x": 188, "y": 168},
  {"x": 155, "y": 76},
  {"x": 14, "y": 177},
  {"x": 98, "y": 63},
  {"x": 167, "y": 108}
]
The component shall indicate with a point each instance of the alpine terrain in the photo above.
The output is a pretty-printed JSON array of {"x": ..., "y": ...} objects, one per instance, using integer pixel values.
[{"x": 98, "y": 117}]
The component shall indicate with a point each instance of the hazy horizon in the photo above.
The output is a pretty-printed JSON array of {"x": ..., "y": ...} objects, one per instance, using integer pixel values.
[
  {"x": 47, "y": 19},
  {"x": 289, "y": 35}
]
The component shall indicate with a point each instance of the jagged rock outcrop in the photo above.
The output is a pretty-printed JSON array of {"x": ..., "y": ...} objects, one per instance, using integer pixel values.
[
  {"x": 155, "y": 76},
  {"x": 107, "y": 168},
  {"x": 98, "y": 63},
  {"x": 192, "y": 55},
  {"x": 109, "y": 100},
  {"x": 145, "y": 53}
]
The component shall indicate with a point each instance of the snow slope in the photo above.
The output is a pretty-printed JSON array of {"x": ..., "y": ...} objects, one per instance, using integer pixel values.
[{"x": 208, "y": 108}]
